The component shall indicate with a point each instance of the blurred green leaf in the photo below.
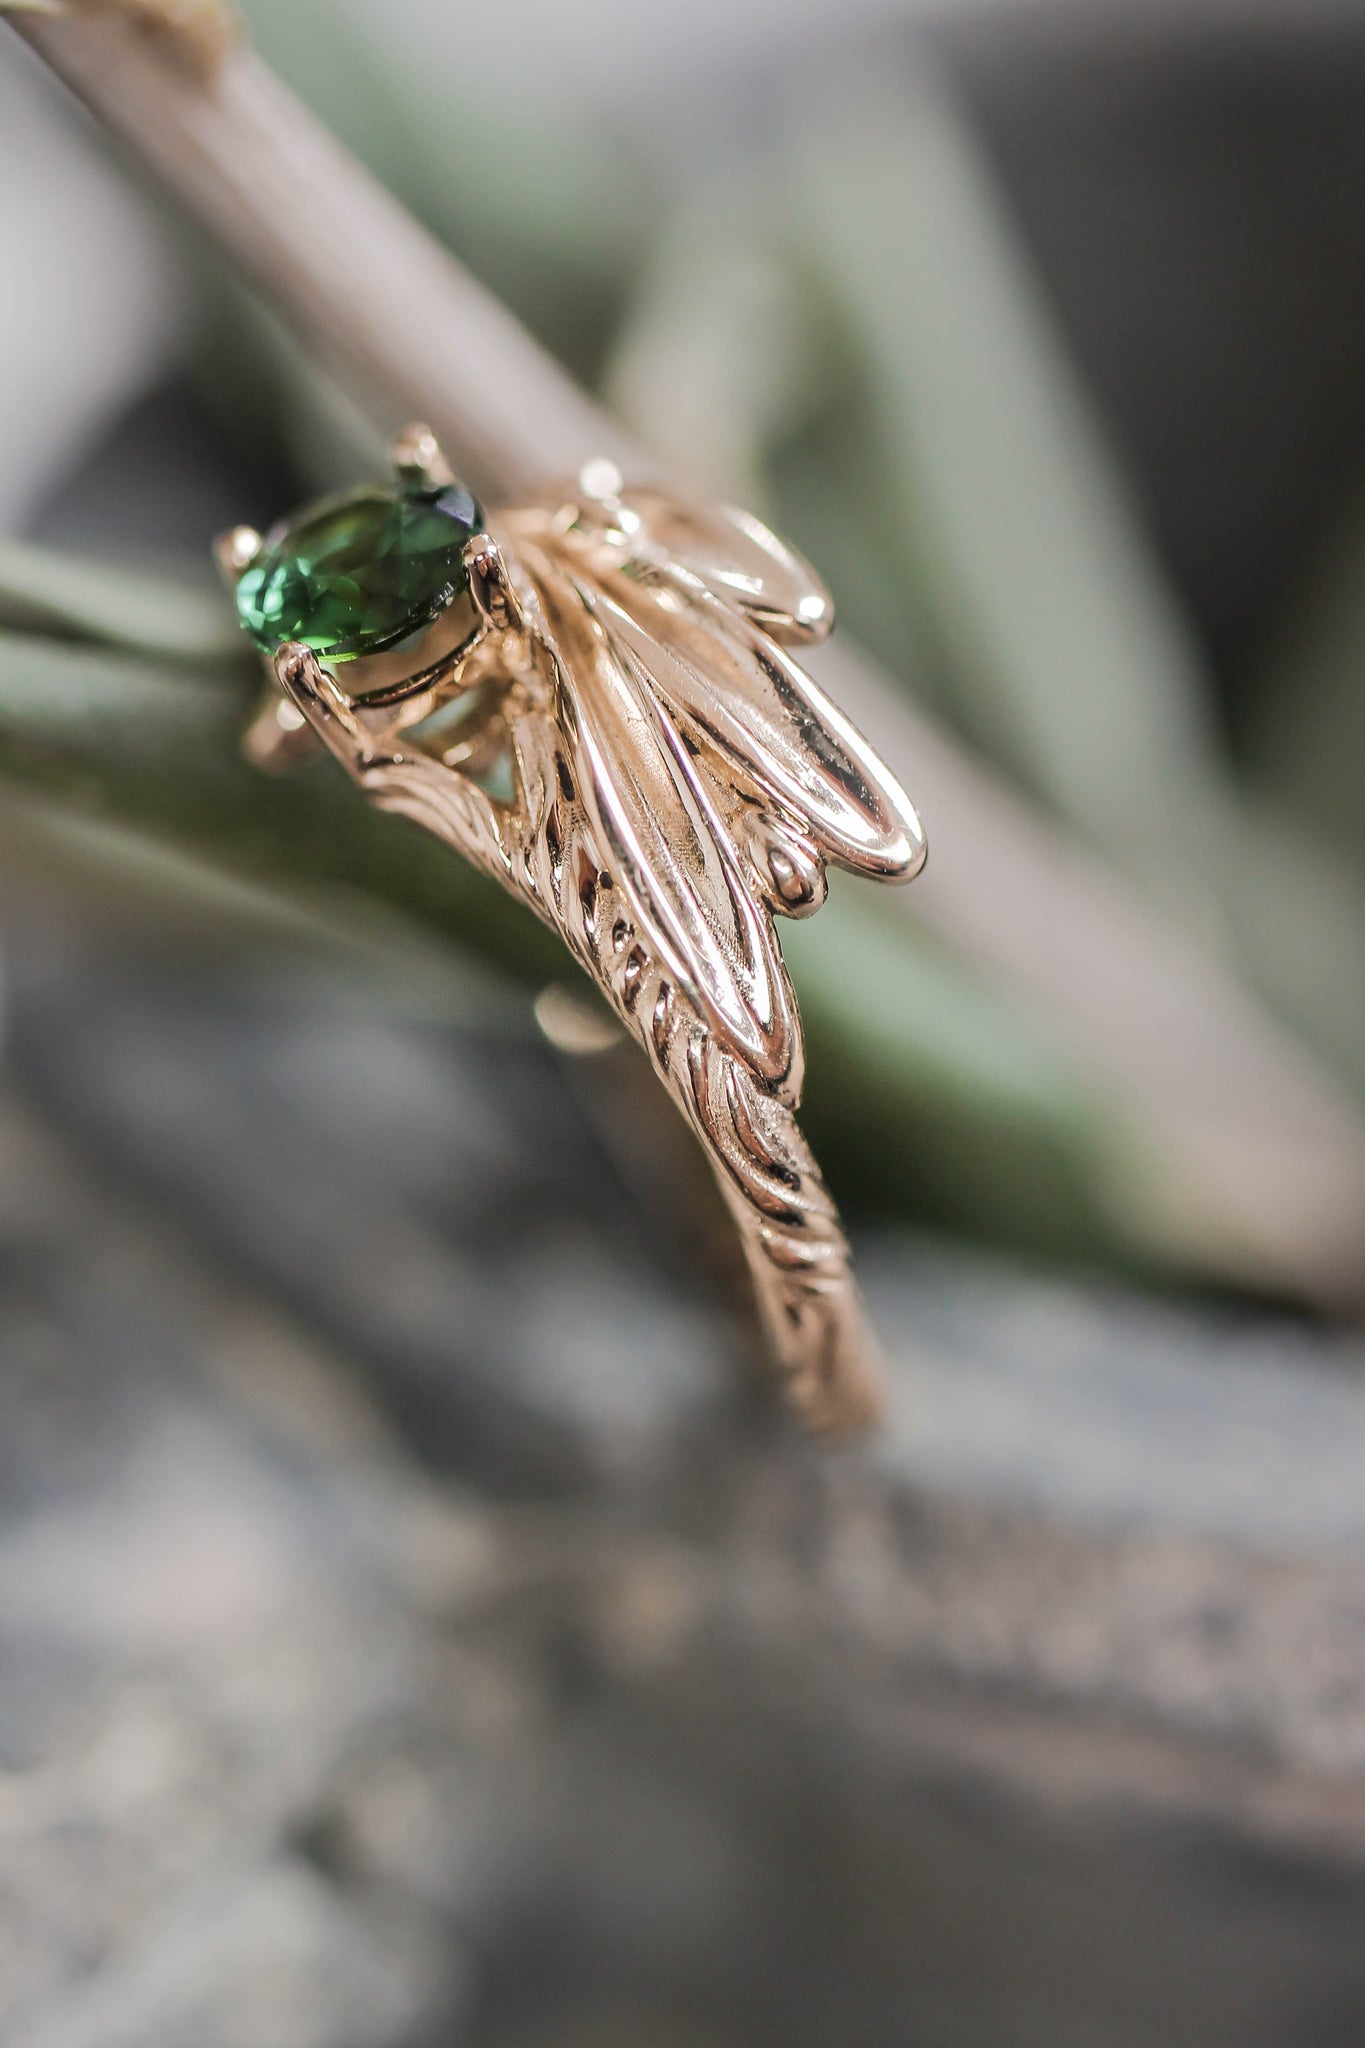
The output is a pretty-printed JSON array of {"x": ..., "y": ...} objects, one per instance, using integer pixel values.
[
  {"x": 116, "y": 605},
  {"x": 936, "y": 1095},
  {"x": 158, "y": 748},
  {"x": 931, "y": 1093},
  {"x": 1306, "y": 740},
  {"x": 1297, "y": 914}
]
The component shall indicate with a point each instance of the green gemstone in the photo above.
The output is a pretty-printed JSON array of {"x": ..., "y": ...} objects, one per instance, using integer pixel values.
[{"x": 360, "y": 572}]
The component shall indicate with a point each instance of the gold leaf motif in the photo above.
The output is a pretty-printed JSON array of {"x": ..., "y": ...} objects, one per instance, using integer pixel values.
[{"x": 629, "y": 746}]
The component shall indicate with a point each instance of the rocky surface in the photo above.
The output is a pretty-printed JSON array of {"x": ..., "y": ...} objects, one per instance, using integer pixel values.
[{"x": 411, "y": 1632}]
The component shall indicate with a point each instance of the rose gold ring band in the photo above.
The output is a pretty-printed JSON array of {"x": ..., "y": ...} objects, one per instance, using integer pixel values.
[{"x": 609, "y": 719}]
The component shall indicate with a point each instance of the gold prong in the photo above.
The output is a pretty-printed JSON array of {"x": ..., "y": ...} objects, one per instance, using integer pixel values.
[
  {"x": 235, "y": 551},
  {"x": 299, "y": 673},
  {"x": 489, "y": 584},
  {"x": 324, "y": 703},
  {"x": 416, "y": 454},
  {"x": 600, "y": 480},
  {"x": 306, "y": 684}
]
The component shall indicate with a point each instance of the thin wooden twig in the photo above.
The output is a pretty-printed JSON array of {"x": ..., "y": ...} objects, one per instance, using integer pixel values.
[
  {"x": 1262, "y": 1151},
  {"x": 391, "y": 311}
]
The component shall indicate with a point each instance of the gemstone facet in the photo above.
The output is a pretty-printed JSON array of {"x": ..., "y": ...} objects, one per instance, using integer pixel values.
[{"x": 361, "y": 572}]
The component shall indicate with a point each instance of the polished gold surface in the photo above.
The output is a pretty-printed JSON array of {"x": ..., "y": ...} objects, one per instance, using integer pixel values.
[{"x": 624, "y": 740}]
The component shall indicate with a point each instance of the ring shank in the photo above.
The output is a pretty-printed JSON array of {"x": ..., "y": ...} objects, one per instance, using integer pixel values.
[
  {"x": 808, "y": 1303},
  {"x": 772, "y": 1240}
]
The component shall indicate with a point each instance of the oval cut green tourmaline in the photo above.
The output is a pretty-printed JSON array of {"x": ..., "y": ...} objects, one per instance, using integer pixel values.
[{"x": 360, "y": 572}]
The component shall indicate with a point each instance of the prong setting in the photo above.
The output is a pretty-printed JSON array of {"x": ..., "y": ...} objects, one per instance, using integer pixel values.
[
  {"x": 418, "y": 458},
  {"x": 600, "y": 480},
  {"x": 307, "y": 685},
  {"x": 297, "y": 669},
  {"x": 490, "y": 585},
  {"x": 235, "y": 551}
]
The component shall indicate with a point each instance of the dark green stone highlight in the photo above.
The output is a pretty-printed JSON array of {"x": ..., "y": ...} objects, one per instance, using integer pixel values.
[{"x": 360, "y": 572}]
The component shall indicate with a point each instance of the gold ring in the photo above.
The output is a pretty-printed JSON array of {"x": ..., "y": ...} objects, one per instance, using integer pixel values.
[{"x": 591, "y": 696}]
